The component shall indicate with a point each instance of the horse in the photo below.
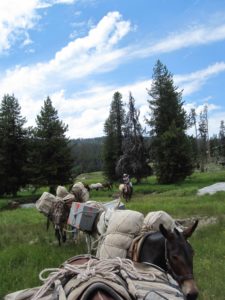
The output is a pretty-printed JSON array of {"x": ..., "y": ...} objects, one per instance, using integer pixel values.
[
  {"x": 126, "y": 191},
  {"x": 96, "y": 186},
  {"x": 108, "y": 185},
  {"x": 58, "y": 215},
  {"x": 173, "y": 253}
]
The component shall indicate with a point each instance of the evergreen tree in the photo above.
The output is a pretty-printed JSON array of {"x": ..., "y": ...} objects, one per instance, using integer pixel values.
[
  {"x": 215, "y": 148},
  {"x": 54, "y": 161},
  {"x": 113, "y": 128},
  {"x": 222, "y": 140},
  {"x": 171, "y": 147},
  {"x": 87, "y": 155},
  {"x": 134, "y": 160},
  {"x": 13, "y": 150},
  {"x": 203, "y": 138},
  {"x": 192, "y": 121}
]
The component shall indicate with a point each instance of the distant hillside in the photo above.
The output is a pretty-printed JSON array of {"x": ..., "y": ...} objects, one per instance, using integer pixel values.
[{"x": 87, "y": 154}]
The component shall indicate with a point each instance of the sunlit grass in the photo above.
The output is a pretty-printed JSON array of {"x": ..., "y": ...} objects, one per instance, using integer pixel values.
[{"x": 209, "y": 245}]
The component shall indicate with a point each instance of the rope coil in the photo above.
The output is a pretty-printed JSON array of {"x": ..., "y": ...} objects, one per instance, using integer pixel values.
[{"x": 106, "y": 268}]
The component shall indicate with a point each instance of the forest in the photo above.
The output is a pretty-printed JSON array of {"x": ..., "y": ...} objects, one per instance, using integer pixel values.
[{"x": 43, "y": 155}]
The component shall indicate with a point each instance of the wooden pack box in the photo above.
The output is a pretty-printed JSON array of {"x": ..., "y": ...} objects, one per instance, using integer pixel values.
[{"x": 82, "y": 216}]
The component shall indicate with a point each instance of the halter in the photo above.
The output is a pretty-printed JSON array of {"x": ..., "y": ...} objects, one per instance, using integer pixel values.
[{"x": 178, "y": 278}]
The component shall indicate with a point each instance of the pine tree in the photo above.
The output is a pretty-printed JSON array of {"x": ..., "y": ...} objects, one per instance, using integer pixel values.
[
  {"x": 171, "y": 147},
  {"x": 222, "y": 140},
  {"x": 214, "y": 143},
  {"x": 204, "y": 138},
  {"x": 54, "y": 161},
  {"x": 134, "y": 160},
  {"x": 113, "y": 128},
  {"x": 13, "y": 149},
  {"x": 192, "y": 121}
]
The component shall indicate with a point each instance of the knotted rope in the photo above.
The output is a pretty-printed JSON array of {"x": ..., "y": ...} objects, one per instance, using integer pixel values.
[{"x": 106, "y": 268}]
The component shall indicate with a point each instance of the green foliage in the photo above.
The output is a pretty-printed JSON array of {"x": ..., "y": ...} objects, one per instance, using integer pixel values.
[
  {"x": 134, "y": 160},
  {"x": 53, "y": 154},
  {"x": 203, "y": 142},
  {"x": 222, "y": 140},
  {"x": 113, "y": 129},
  {"x": 13, "y": 147},
  {"x": 87, "y": 154},
  {"x": 171, "y": 149}
]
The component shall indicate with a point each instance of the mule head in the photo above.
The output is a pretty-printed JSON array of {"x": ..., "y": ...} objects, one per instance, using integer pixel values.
[
  {"x": 59, "y": 213},
  {"x": 179, "y": 259}
]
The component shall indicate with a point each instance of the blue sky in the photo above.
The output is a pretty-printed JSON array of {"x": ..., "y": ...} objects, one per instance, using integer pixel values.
[{"x": 79, "y": 52}]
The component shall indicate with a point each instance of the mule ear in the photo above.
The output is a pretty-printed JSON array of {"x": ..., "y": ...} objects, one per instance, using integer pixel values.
[
  {"x": 188, "y": 232},
  {"x": 166, "y": 233}
]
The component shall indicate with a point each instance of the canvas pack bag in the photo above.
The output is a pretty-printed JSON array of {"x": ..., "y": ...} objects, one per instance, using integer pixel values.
[
  {"x": 45, "y": 202},
  {"x": 85, "y": 277}
]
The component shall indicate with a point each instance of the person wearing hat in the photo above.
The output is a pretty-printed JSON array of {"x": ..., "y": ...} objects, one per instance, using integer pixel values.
[{"x": 126, "y": 179}]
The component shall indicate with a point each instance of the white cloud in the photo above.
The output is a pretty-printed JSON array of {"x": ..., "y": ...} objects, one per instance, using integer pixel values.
[
  {"x": 64, "y": 1},
  {"x": 214, "y": 122},
  {"x": 195, "y": 36},
  {"x": 86, "y": 112},
  {"x": 27, "y": 41},
  {"x": 97, "y": 52},
  {"x": 90, "y": 54},
  {"x": 194, "y": 81},
  {"x": 16, "y": 19}
]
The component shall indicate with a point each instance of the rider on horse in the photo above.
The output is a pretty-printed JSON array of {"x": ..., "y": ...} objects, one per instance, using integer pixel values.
[{"x": 126, "y": 180}]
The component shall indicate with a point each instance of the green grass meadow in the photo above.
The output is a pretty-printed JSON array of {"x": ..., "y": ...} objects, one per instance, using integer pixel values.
[{"x": 26, "y": 248}]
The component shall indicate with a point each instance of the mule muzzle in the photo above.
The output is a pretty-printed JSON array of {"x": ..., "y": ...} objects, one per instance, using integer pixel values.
[
  {"x": 190, "y": 289},
  {"x": 192, "y": 296}
]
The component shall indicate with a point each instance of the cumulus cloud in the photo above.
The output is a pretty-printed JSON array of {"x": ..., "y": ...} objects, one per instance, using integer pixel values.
[
  {"x": 96, "y": 52},
  {"x": 91, "y": 54},
  {"x": 99, "y": 51},
  {"x": 85, "y": 122},
  {"x": 85, "y": 112},
  {"x": 17, "y": 20}
]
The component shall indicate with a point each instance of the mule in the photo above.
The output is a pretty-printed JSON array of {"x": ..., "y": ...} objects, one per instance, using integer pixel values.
[
  {"x": 58, "y": 215},
  {"x": 108, "y": 185},
  {"x": 173, "y": 253},
  {"x": 126, "y": 191},
  {"x": 87, "y": 187},
  {"x": 100, "y": 227},
  {"x": 96, "y": 186}
]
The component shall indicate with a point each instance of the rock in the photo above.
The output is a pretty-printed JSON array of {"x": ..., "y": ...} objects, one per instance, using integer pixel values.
[{"x": 212, "y": 189}]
